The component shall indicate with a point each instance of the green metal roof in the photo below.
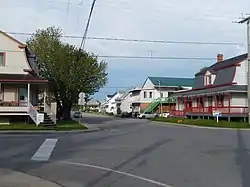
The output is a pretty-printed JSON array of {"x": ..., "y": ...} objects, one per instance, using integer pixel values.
[{"x": 171, "y": 81}]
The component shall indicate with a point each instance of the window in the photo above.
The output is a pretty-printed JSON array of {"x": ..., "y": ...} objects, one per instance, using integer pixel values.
[
  {"x": 220, "y": 100},
  {"x": 2, "y": 59},
  {"x": 200, "y": 102},
  {"x": 150, "y": 94},
  {"x": 145, "y": 94},
  {"x": 208, "y": 79}
]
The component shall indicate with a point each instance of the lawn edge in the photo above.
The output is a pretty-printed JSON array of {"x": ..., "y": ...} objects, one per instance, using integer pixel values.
[
  {"x": 48, "y": 131},
  {"x": 199, "y": 127}
]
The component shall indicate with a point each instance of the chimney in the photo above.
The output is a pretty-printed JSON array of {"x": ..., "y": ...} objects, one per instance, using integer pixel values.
[{"x": 219, "y": 57}]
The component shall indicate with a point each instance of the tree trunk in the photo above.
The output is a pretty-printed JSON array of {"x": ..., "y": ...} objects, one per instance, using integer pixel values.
[{"x": 66, "y": 110}]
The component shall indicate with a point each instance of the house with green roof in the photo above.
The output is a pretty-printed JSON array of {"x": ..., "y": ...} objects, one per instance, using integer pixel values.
[{"x": 161, "y": 87}]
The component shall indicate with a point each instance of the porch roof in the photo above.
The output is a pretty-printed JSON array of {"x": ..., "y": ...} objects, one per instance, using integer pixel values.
[
  {"x": 21, "y": 78},
  {"x": 228, "y": 89}
]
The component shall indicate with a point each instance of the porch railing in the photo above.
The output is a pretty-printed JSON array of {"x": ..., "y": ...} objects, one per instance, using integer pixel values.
[
  {"x": 33, "y": 114},
  {"x": 237, "y": 110},
  {"x": 50, "y": 113}
]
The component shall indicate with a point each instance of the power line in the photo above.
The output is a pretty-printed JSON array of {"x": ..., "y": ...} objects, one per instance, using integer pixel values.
[
  {"x": 67, "y": 12},
  {"x": 87, "y": 26},
  {"x": 142, "y": 57},
  {"x": 78, "y": 14},
  {"x": 156, "y": 57},
  {"x": 138, "y": 40}
]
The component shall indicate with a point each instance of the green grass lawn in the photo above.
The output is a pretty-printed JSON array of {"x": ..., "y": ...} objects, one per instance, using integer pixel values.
[
  {"x": 204, "y": 123},
  {"x": 61, "y": 126}
]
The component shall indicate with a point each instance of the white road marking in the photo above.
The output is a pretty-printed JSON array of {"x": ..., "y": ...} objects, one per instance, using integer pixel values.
[
  {"x": 118, "y": 172},
  {"x": 44, "y": 152}
]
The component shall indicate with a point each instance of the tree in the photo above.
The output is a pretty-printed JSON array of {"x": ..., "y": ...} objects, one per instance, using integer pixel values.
[{"x": 68, "y": 69}]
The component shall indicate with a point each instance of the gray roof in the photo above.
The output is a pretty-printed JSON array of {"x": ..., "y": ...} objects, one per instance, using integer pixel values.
[
  {"x": 221, "y": 65},
  {"x": 224, "y": 72},
  {"x": 229, "y": 88},
  {"x": 137, "y": 88}
]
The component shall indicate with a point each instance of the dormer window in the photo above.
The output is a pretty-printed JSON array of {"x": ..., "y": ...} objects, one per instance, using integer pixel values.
[{"x": 208, "y": 78}]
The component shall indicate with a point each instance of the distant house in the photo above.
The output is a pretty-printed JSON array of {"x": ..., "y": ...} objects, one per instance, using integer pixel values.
[
  {"x": 111, "y": 104},
  {"x": 94, "y": 105},
  {"x": 135, "y": 99},
  {"x": 123, "y": 102},
  {"x": 161, "y": 87},
  {"x": 221, "y": 87},
  {"x": 20, "y": 83}
]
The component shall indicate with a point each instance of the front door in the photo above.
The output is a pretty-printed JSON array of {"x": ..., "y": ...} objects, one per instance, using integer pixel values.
[{"x": 23, "y": 96}]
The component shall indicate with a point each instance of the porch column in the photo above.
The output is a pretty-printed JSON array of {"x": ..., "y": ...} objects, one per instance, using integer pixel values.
[
  {"x": 44, "y": 97},
  {"x": 199, "y": 103},
  {"x": 28, "y": 99},
  {"x": 215, "y": 103},
  {"x": 229, "y": 102},
  {"x": 178, "y": 101}
]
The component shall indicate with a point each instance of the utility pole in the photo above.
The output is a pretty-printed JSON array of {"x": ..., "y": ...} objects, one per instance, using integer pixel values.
[
  {"x": 247, "y": 21},
  {"x": 160, "y": 97}
]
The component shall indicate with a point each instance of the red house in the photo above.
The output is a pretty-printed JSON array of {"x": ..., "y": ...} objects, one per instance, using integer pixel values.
[{"x": 222, "y": 87}]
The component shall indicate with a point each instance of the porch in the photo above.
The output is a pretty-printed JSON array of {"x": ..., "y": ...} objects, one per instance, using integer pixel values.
[
  {"x": 226, "y": 111},
  {"x": 16, "y": 98},
  {"x": 26, "y": 99},
  {"x": 230, "y": 103}
]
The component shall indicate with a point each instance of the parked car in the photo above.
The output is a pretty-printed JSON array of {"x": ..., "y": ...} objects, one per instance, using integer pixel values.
[
  {"x": 165, "y": 115},
  {"x": 78, "y": 115},
  {"x": 148, "y": 115},
  {"x": 126, "y": 114}
]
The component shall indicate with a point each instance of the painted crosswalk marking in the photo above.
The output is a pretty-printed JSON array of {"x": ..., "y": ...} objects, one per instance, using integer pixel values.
[{"x": 44, "y": 152}]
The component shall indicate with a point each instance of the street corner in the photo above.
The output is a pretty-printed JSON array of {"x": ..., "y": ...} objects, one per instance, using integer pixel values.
[{"x": 10, "y": 178}]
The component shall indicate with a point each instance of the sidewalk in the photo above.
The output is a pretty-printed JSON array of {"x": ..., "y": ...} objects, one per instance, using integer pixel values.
[{"x": 10, "y": 178}]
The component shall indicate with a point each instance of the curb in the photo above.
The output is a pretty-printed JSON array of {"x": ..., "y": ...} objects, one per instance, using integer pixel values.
[
  {"x": 47, "y": 131},
  {"x": 199, "y": 127}
]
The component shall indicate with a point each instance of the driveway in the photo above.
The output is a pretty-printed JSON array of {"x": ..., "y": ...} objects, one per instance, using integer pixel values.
[{"x": 132, "y": 152}]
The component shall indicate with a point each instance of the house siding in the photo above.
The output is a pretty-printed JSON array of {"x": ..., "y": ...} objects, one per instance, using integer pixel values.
[
  {"x": 126, "y": 104},
  {"x": 15, "y": 58},
  {"x": 240, "y": 76},
  {"x": 239, "y": 99}
]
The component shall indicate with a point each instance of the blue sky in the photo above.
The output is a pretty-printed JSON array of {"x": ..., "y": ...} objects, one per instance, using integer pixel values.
[{"x": 181, "y": 20}]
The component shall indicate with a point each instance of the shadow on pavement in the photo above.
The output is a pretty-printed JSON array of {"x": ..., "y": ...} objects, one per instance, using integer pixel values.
[
  {"x": 143, "y": 152},
  {"x": 243, "y": 160}
]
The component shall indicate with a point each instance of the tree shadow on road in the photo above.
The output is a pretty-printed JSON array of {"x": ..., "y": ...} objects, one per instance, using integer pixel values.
[
  {"x": 143, "y": 152},
  {"x": 243, "y": 160}
]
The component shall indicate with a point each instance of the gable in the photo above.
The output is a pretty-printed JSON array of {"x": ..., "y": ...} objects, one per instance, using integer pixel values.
[
  {"x": 208, "y": 72},
  {"x": 15, "y": 59},
  {"x": 9, "y": 43},
  {"x": 148, "y": 84}
]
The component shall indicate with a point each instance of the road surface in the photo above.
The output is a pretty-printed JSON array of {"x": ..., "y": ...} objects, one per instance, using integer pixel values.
[{"x": 131, "y": 152}]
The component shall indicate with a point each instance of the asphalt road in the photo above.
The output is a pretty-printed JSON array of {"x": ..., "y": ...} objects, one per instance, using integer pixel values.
[{"x": 133, "y": 152}]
